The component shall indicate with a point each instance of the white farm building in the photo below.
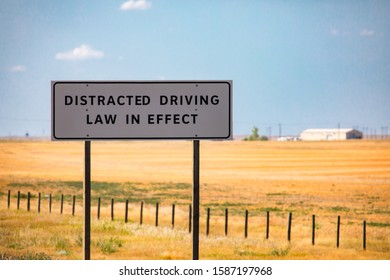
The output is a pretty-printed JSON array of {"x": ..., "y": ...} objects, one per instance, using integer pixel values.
[{"x": 321, "y": 134}]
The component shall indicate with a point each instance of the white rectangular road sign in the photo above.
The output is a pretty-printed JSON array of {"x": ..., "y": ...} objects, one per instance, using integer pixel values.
[{"x": 115, "y": 110}]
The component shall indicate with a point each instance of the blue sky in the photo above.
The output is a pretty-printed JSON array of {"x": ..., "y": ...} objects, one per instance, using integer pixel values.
[{"x": 301, "y": 64}]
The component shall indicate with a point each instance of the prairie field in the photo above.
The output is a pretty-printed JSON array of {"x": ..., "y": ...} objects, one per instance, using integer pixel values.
[{"x": 346, "y": 179}]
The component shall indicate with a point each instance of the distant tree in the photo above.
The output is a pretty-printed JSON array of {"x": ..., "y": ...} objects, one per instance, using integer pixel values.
[{"x": 254, "y": 135}]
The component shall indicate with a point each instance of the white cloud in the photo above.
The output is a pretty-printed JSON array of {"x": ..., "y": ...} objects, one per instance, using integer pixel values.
[
  {"x": 339, "y": 32},
  {"x": 334, "y": 32},
  {"x": 18, "y": 69},
  {"x": 136, "y": 5},
  {"x": 81, "y": 53},
  {"x": 367, "y": 33}
]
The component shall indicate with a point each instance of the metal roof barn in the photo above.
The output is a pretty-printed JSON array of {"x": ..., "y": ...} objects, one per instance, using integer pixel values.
[{"x": 327, "y": 134}]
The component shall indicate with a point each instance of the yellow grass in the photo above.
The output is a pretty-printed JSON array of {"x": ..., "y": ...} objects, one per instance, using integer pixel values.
[{"x": 350, "y": 179}]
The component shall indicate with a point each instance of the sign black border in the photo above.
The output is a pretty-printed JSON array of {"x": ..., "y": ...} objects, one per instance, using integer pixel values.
[{"x": 54, "y": 83}]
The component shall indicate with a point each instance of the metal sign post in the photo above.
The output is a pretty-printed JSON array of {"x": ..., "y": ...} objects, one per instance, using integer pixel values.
[
  {"x": 87, "y": 201},
  {"x": 195, "y": 202}
]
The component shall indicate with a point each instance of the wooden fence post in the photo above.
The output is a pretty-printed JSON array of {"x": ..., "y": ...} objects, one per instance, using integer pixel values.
[
  {"x": 112, "y": 209},
  {"x": 73, "y": 205},
  {"x": 18, "y": 203},
  {"x": 289, "y": 227},
  {"x": 313, "y": 232},
  {"x": 98, "y": 209},
  {"x": 9, "y": 198},
  {"x": 126, "y": 210},
  {"x": 226, "y": 221},
  {"x": 62, "y": 204},
  {"x": 173, "y": 216},
  {"x": 338, "y": 232},
  {"x": 189, "y": 218},
  {"x": 39, "y": 202},
  {"x": 246, "y": 223},
  {"x": 156, "y": 214},
  {"x": 208, "y": 222},
  {"x": 141, "y": 213},
  {"x": 28, "y": 201},
  {"x": 364, "y": 235},
  {"x": 267, "y": 226},
  {"x": 50, "y": 202}
]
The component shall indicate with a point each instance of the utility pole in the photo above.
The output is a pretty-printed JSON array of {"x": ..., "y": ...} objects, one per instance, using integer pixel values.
[
  {"x": 269, "y": 130},
  {"x": 365, "y": 132},
  {"x": 280, "y": 130},
  {"x": 338, "y": 127}
]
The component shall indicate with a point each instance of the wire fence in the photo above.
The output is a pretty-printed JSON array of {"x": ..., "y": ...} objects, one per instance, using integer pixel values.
[{"x": 71, "y": 200}]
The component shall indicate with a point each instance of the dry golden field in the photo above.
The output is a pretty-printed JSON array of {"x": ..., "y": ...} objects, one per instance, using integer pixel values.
[{"x": 350, "y": 179}]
